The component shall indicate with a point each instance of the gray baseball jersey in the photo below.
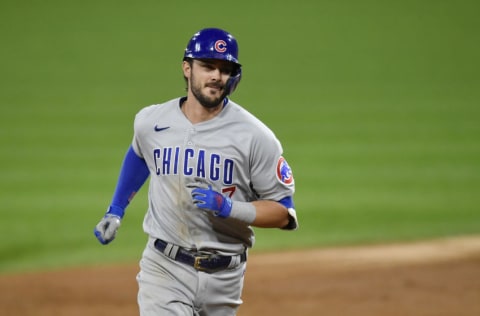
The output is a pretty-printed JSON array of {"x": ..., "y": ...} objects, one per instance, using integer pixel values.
[{"x": 234, "y": 152}]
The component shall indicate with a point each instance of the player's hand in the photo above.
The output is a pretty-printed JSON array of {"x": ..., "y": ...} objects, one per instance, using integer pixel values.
[
  {"x": 106, "y": 229},
  {"x": 207, "y": 198}
]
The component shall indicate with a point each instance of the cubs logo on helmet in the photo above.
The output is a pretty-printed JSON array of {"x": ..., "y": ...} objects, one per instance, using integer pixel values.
[
  {"x": 221, "y": 46},
  {"x": 284, "y": 172}
]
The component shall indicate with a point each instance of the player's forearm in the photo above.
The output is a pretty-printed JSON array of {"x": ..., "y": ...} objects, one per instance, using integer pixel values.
[
  {"x": 262, "y": 213},
  {"x": 133, "y": 174},
  {"x": 270, "y": 214}
]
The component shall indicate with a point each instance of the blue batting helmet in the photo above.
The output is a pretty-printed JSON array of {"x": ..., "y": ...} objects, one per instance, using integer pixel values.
[{"x": 213, "y": 43}]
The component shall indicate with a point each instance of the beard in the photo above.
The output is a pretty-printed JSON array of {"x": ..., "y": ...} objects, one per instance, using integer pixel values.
[{"x": 206, "y": 100}]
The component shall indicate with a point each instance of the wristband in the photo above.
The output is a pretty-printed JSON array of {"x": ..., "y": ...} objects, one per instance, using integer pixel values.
[
  {"x": 116, "y": 210},
  {"x": 244, "y": 211}
]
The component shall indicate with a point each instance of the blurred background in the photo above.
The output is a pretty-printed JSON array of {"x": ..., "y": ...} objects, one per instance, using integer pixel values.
[{"x": 376, "y": 104}]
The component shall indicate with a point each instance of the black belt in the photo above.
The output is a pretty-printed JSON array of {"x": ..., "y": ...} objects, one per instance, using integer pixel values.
[{"x": 201, "y": 261}]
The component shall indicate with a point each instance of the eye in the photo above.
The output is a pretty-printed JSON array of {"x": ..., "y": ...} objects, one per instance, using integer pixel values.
[{"x": 226, "y": 70}]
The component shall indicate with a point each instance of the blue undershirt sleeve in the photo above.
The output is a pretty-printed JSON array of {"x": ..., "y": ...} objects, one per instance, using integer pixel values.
[
  {"x": 133, "y": 174},
  {"x": 287, "y": 202}
]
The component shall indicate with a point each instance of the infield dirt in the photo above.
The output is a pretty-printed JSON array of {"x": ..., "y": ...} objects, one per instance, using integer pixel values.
[{"x": 437, "y": 278}]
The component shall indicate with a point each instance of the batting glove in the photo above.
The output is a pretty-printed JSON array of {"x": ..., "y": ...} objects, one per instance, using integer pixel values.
[
  {"x": 106, "y": 229},
  {"x": 207, "y": 198}
]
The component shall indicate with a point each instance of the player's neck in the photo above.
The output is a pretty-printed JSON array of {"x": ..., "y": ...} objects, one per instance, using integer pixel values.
[{"x": 197, "y": 113}]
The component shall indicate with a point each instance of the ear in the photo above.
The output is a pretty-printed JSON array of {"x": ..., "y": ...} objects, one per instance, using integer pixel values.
[{"x": 186, "y": 69}]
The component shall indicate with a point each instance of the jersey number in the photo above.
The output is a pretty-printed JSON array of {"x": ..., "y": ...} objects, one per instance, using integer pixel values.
[{"x": 229, "y": 191}]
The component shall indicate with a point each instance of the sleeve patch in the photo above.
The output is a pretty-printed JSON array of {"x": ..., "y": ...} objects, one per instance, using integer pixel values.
[{"x": 284, "y": 172}]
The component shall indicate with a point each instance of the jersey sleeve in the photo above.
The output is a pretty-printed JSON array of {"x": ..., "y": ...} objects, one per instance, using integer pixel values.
[
  {"x": 139, "y": 130},
  {"x": 272, "y": 177},
  {"x": 136, "y": 147}
]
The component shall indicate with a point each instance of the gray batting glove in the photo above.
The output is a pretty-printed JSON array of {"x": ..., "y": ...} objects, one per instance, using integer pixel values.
[{"x": 106, "y": 229}]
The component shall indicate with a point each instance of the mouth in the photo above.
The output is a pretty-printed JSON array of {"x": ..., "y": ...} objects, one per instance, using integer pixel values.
[{"x": 215, "y": 87}]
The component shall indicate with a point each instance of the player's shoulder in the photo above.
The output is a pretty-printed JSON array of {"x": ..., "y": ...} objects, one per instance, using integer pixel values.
[
  {"x": 249, "y": 120},
  {"x": 262, "y": 138},
  {"x": 156, "y": 114},
  {"x": 153, "y": 109}
]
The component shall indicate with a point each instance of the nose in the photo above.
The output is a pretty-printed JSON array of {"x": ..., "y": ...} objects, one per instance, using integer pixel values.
[{"x": 216, "y": 73}]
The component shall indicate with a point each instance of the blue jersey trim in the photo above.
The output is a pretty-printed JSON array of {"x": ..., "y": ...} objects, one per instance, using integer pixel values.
[{"x": 133, "y": 174}]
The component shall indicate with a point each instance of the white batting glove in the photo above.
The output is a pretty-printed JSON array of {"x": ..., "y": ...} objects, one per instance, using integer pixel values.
[{"x": 106, "y": 229}]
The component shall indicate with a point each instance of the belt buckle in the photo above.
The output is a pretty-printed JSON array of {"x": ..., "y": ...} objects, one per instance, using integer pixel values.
[{"x": 198, "y": 261}]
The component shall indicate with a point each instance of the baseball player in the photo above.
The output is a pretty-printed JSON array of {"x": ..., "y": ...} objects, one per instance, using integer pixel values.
[{"x": 215, "y": 171}]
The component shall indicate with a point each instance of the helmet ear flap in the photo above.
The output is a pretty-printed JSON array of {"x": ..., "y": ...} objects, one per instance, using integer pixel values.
[{"x": 234, "y": 80}]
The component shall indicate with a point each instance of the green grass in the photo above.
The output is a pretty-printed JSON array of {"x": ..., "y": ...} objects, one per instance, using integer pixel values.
[{"x": 376, "y": 104}]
